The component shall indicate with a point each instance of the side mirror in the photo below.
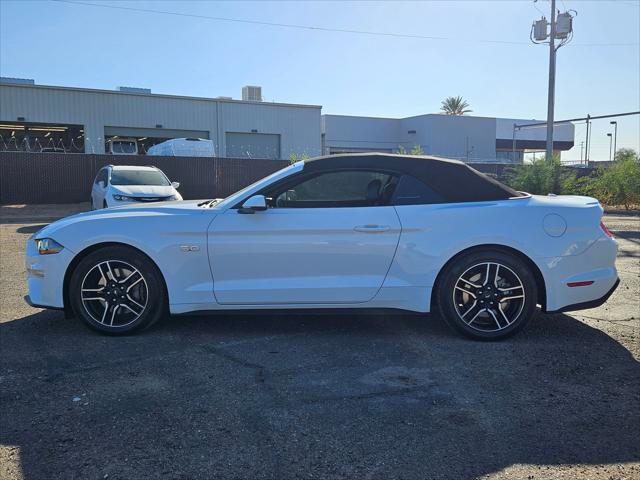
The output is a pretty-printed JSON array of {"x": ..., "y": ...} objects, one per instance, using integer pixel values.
[
  {"x": 175, "y": 185},
  {"x": 254, "y": 204}
]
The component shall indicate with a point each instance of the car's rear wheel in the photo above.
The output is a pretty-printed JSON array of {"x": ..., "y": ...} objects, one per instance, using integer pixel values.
[
  {"x": 117, "y": 290},
  {"x": 487, "y": 295}
]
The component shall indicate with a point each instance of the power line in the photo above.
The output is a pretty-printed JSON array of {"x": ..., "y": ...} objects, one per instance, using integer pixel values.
[
  {"x": 589, "y": 117},
  {"x": 317, "y": 28}
]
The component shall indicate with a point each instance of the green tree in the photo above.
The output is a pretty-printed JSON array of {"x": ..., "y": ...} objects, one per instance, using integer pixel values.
[
  {"x": 626, "y": 154},
  {"x": 455, "y": 106}
]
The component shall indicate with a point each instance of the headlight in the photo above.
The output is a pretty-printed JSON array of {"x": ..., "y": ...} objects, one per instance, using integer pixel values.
[
  {"x": 47, "y": 246},
  {"x": 123, "y": 198}
]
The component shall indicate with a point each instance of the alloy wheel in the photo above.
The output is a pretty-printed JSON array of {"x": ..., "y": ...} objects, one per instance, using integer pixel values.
[
  {"x": 114, "y": 293},
  {"x": 489, "y": 297}
]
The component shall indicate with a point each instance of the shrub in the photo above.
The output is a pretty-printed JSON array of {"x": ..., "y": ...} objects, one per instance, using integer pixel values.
[
  {"x": 616, "y": 184},
  {"x": 416, "y": 150},
  {"x": 295, "y": 157},
  {"x": 619, "y": 184},
  {"x": 541, "y": 177}
]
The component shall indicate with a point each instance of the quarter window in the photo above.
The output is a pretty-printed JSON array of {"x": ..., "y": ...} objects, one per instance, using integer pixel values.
[
  {"x": 411, "y": 191},
  {"x": 357, "y": 188}
]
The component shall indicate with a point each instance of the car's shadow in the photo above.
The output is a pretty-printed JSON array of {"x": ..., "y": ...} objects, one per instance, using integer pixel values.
[
  {"x": 28, "y": 229},
  {"x": 328, "y": 396}
]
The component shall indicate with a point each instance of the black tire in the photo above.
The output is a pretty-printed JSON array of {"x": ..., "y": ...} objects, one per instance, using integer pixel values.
[
  {"x": 495, "y": 307},
  {"x": 104, "y": 204},
  {"x": 108, "y": 272}
]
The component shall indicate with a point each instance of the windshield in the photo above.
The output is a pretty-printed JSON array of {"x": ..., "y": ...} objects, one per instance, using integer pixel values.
[
  {"x": 233, "y": 198},
  {"x": 123, "y": 147},
  {"x": 139, "y": 177}
]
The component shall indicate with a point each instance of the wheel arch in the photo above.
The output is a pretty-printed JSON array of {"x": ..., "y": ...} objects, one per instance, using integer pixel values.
[
  {"x": 83, "y": 253},
  {"x": 540, "y": 283}
]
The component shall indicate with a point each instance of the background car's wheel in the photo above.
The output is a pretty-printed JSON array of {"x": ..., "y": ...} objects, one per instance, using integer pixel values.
[
  {"x": 104, "y": 204},
  {"x": 487, "y": 294},
  {"x": 117, "y": 290}
]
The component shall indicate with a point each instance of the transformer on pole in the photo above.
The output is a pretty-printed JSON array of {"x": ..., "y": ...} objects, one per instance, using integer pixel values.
[{"x": 560, "y": 28}]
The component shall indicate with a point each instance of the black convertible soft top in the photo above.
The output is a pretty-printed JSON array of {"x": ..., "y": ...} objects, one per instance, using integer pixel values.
[{"x": 455, "y": 181}]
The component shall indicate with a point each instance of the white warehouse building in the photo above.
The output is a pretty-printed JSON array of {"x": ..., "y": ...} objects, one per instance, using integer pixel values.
[
  {"x": 40, "y": 118},
  {"x": 467, "y": 138},
  {"x": 34, "y": 117}
]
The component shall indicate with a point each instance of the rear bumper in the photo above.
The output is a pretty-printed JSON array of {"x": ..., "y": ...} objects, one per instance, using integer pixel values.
[
  {"x": 588, "y": 304},
  {"x": 595, "y": 265}
]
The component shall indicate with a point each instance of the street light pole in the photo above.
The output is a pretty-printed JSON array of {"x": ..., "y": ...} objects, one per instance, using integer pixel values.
[
  {"x": 581, "y": 148},
  {"x": 586, "y": 146},
  {"x": 610, "y": 139},
  {"x": 615, "y": 137},
  {"x": 552, "y": 82}
]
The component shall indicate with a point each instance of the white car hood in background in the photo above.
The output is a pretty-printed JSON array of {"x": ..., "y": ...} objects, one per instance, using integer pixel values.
[{"x": 143, "y": 190}]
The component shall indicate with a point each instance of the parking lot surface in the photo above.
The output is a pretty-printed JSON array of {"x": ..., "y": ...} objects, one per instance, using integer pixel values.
[{"x": 271, "y": 396}]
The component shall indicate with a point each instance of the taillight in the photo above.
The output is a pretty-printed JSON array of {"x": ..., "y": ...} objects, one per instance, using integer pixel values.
[{"x": 606, "y": 230}]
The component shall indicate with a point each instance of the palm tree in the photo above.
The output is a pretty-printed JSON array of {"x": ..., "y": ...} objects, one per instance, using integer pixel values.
[{"x": 455, "y": 106}]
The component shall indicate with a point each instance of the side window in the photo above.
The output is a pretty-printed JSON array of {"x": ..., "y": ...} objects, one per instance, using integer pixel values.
[
  {"x": 356, "y": 188},
  {"x": 411, "y": 191}
]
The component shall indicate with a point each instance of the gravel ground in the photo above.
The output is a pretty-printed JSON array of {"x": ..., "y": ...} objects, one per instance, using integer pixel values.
[{"x": 317, "y": 396}]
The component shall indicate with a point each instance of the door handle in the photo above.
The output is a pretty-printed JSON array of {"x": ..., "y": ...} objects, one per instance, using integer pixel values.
[{"x": 372, "y": 228}]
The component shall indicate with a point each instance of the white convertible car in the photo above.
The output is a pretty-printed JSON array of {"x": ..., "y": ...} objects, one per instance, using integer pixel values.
[{"x": 344, "y": 231}]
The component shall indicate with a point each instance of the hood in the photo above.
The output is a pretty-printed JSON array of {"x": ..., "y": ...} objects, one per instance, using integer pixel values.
[
  {"x": 143, "y": 190},
  {"x": 130, "y": 211}
]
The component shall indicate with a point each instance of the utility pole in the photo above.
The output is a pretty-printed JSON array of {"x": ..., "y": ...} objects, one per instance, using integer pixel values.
[
  {"x": 586, "y": 151},
  {"x": 581, "y": 147},
  {"x": 615, "y": 137},
  {"x": 610, "y": 140},
  {"x": 552, "y": 82},
  {"x": 560, "y": 28}
]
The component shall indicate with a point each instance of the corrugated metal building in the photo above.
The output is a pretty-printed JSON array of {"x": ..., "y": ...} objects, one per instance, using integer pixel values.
[
  {"x": 467, "y": 138},
  {"x": 36, "y": 117},
  {"x": 63, "y": 119}
]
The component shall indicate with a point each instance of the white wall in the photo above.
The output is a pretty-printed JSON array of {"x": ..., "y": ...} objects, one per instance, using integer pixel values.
[{"x": 504, "y": 130}]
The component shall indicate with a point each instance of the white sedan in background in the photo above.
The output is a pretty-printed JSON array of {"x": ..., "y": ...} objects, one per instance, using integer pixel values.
[
  {"x": 116, "y": 185},
  {"x": 345, "y": 231}
]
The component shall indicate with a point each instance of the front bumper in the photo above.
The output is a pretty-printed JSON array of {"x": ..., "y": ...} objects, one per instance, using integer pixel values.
[
  {"x": 111, "y": 202},
  {"x": 27, "y": 299},
  {"x": 45, "y": 276}
]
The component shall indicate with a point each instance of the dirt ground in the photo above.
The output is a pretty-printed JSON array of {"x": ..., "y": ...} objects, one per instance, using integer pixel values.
[{"x": 265, "y": 396}]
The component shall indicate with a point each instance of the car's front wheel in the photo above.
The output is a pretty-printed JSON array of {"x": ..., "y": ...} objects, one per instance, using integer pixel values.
[
  {"x": 487, "y": 294},
  {"x": 117, "y": 290}
]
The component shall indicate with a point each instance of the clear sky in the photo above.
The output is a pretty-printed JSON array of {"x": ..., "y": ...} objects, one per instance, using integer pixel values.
[{"x": 347, "y": 73}]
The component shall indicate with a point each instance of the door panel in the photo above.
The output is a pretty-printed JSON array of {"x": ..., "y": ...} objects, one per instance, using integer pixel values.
[{"x": 302, "y": 255}]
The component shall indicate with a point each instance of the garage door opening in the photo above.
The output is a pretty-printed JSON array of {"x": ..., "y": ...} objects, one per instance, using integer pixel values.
[
  {"x": 41, "y": 137},
  {"x": 253, "y": 145},
  {"x": 137, "y": 141}
]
